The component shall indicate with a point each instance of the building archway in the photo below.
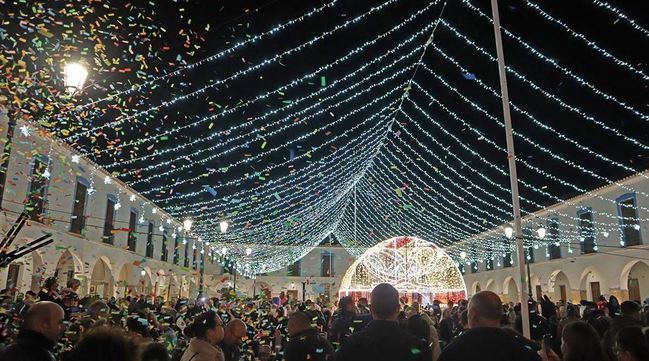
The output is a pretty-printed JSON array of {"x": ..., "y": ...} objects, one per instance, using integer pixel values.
[
  {"x": 101, "y": 279},
  {"x": 491, "y": 286},
  {"x": 510, "y": 290},
  {"x": 475, "y": 288},
  {"x": 635, "y": 276},
  {"x": 126, "y": 281},
  {"x": 38, "y": 271},
  {"x": 559, "y": 287},
  {"x": 592, "y": 284},
  {"x": 67, "y": 268}
]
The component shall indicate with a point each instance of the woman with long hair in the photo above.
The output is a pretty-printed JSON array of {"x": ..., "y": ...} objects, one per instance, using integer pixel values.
[{"x": 206, "y": 332}]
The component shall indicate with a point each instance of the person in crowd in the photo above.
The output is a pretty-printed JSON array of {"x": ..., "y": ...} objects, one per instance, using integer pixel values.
[
  {"x": 485, "y": 340},
  {"x": 50, "y": 290},
  {"x": 206, "y": 332},
  {"x": 305, "y": 343},
  {"x": 629, "y": 316},
  {"x": 235, "y": 331},
  {"x": 580, "y": 342},
  {"x": 41, "y": 329},
  {"x": 631, "y": 345},
  {"x": 363, "y": 307},
  {"x": 382, "y": 339},
  {"x": 104, "y": 344},
  {"x": 343, "y": 321}
]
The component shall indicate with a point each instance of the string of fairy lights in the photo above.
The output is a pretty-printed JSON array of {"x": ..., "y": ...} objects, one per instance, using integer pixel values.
[{"x": 395, "y": 169}]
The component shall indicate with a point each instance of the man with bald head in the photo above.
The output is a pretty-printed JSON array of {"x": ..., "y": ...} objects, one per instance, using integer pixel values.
[
  {"x": 305, "y": 343},
  {"x": 485, "y": 340},
  {"x": 41, "y": 329},
  {"x": 234, "y": 333},
  {"x": 383, "y": 339}
]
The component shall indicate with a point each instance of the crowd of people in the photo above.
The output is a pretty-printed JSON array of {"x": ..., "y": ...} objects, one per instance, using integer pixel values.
[{"x": 56, "y": 324}]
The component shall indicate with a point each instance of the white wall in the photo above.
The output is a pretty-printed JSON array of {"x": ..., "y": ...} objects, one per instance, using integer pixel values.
[{"x": 87, "y": 249}]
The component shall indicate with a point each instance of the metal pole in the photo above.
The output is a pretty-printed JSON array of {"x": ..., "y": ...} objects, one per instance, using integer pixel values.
[
  {"x": 529, "y": 277},
  {"x": 234, "y": 269},
  {"x": 518, "y": 227},
  {"x": 201, "y": 286}
]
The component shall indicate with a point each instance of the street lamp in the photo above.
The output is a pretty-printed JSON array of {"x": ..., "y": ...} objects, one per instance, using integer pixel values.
[
  {"x": 509, "y": 232},
  {"x": 75, "y": 76},
  {"x": 224, "y": 226},
  {"x": 187, "y": 224}
]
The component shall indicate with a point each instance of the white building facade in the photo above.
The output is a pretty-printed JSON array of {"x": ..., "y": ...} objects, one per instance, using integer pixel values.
[
  {"x": 585, "y": 262},
  {"x": 106, "y": 235},
  {"x": 316, "y": 274}
]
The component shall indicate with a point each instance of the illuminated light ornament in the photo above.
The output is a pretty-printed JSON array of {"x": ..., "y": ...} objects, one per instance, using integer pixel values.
[
  {"x": 154, "y": 210},
  {"x": 174, "y": 235},
  {"x": 168, "y": 220},
  {"x": 161, "y": 228},
  {"x": 250, "y": 69},
  {"x": 91, "y": 190},
  {"x": 25, "y": 131},
  {"x": 75, "y": 159},
  {"x": 184, "y": 240},
  {"x": 107, "y": 180},
  {"x": 47, "y": 174},
  {"x": 412, "y": 265},
  {"x": 248, "y": 251},
  {"x": 118, "y": 205},
  {"x": 605, "y": 234},
  {"x": 132, "y": 198},
  {"x": 141, "y": 220},
  {"x": 636, "y": 227}
]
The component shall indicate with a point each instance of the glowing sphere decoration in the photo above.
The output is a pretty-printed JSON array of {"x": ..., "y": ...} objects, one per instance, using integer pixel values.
[{"x": 417, "y": 268}]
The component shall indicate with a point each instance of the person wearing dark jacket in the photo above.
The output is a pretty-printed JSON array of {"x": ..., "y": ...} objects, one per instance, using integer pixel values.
[
  {"x": 485, "y": 340},
  {"x": 342, "y": 325},
  {"x": 383, "y": 339},
  {"x": 630, "y": 317},
  {"x": 305, "y": 343},
  {"x": 42, "y": 327}
]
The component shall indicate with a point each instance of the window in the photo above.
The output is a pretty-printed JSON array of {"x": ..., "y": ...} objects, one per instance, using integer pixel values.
[
  {"x": 474, "y": 267},
  {"x": 528, "y": 237},
  {"x": 78, "y": 221},
  {"x": 627, "y": 212},
  {"x": 194, "y": 257},
  {"x": 165, "y": 252},
  {"x": 132, "y": 231},
  {"x": 149, "y": 241},
  {"x": 186, "y": 259},
  {"x": 554, "y": 247},
  {"x": 507, "y": 258},
  {"x": 109, "y": 220},
  {"x": 176, "y": 251},
  {"x": 37, "y": 190},
  {"x": 529, "y": 254},
  {"x": 586, "y": 231},
  {"x": 489, "y": 264},
  {"x": 326, "y": 264},
  {"x": 294, "y": 269},
  {"x": 462, "y": 269}
]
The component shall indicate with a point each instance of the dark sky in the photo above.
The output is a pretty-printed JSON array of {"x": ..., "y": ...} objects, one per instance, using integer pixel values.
[{"x": 234, "y": 21}]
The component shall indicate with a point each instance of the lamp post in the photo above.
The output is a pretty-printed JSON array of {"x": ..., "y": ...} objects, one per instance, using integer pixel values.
[{"x": 75, "y": 76}]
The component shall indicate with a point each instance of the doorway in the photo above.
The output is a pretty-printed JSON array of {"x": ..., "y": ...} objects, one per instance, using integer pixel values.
[{"x": 634, "y": 289}]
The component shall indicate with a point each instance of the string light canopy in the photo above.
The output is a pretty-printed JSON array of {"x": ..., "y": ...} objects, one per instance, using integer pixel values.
[{"x": 415, "y": 267}]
